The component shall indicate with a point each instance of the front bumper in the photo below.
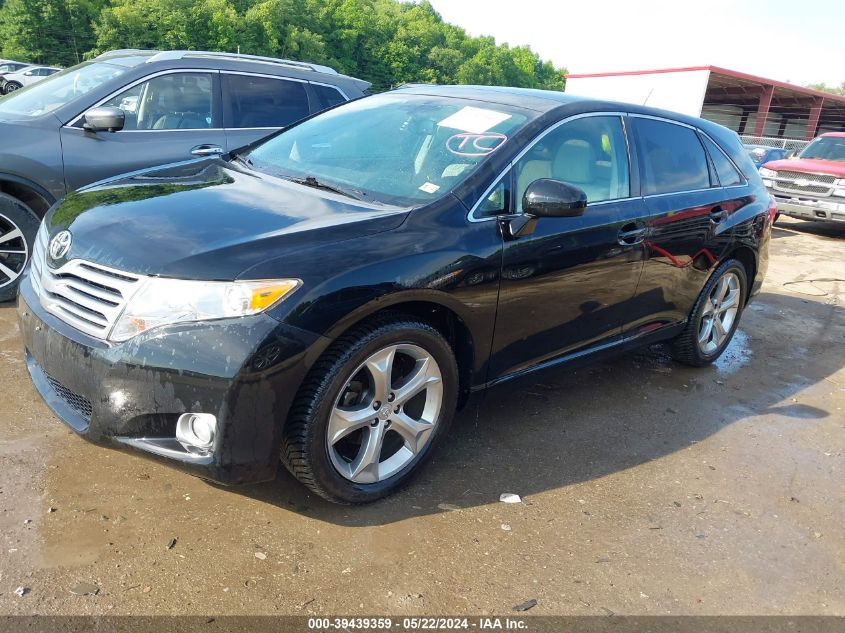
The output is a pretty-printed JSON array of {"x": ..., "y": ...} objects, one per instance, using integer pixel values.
[
  {"x": 810, "y": 209},
  {"x": 130, "y": 395}
]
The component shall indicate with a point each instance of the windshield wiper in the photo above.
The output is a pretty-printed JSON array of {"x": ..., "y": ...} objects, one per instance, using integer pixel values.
[
  {"x": 310, "y": 181},
  {"x": 241, "y": 158}
]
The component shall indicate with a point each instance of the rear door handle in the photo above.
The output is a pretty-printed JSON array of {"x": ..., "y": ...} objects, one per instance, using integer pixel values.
[
  {"x": 718, "y": 214},
  {"x": 207, "y": 150},
  {"x": 632, "y": 234}
]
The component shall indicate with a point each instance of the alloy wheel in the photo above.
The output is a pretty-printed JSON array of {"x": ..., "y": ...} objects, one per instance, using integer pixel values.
[
  {"x": 13, "y": 251},
  {"x": 385, "y": 414},
  {"x": 719, "y": 314}
]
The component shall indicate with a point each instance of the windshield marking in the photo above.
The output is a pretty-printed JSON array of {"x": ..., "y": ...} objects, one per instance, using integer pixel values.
[{"x": 466, "y": 144}]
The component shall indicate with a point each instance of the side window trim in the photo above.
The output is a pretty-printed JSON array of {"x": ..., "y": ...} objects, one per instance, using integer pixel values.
[
  {"x": 76, "y": 121},
  {"x": 471, "y": 217}
]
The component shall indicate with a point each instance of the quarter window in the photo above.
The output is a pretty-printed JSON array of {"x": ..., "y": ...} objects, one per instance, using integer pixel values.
[
  {"x": 672, "y": 157},
  {"x": 328, "y": 95},
  {"x": 263, "y": 101},
  {"x": 589, "y": 153},
  {"x": 179, "y": 101},
  {"x": 496, "y": 202},
  {"x": 725, "y": 170}
]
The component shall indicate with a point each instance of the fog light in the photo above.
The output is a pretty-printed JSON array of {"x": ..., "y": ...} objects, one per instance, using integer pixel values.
[{"x": 196, "y": 430}]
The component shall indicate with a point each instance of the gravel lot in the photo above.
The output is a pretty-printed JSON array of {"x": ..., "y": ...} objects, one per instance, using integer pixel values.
[{"x": 648, "y": 488}]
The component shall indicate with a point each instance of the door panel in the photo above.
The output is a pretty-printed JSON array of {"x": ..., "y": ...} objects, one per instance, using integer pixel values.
[
  {"x": 686, "y": 237},
  {"x": 167, "y": 117},
  {"x": 687, "y": 226},
  {"x": 567, "y": 285}
]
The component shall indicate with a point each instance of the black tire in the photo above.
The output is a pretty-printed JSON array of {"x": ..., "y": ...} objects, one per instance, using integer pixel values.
[
  {"x": 685, "y": 348},
  {"x": 305, "y": 451},
  {"x": 14, "y": 214},
  {"x": 11, "y": 87},
  {"x": 777, "y": 217}
]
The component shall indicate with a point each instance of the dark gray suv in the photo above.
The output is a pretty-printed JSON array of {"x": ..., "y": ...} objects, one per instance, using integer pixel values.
[{"x": 132, "y": 109}]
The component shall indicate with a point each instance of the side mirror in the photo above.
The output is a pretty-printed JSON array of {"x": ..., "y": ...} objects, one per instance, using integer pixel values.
[
  {"x": 104, "y": 119},
  {"x": 547, "y": 198}
]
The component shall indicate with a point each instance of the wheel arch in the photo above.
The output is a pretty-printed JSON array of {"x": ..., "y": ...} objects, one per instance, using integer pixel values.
[
  {"x": 748, "y": 258},
  {"x": 431, "y": 307},
  {"x": 31, "y": 194}
]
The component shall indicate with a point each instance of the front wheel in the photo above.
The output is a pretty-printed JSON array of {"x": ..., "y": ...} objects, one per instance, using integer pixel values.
[
  {"x": 714, "y": 316},
  {"x": 18, "y": 226},
  {"x": 372, "y": 410},
  {"x": 11, "y": 87}
]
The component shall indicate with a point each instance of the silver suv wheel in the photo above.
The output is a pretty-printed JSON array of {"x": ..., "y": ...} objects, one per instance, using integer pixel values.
[
  {"x": 385, "y": 413},
  {"x": 719, "y": 313},
  {"x": 14, "y": 251}
]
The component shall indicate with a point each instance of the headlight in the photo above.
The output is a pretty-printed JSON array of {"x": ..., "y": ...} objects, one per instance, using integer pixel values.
[
  {"x": 839, "y": 183},
  {"x": 163, "y": 301},
  {"x": 768, "y": 173}
]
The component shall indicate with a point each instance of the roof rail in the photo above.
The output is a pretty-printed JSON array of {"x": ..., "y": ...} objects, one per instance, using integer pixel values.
[
  {"x": 170, "y": 55},
  {"x": 121, "y": 52}
]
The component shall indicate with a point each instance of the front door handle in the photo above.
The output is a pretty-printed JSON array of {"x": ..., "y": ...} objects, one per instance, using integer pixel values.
[
  {"x": 207, "y": 150},
  {"x": 632, "y": 234}
]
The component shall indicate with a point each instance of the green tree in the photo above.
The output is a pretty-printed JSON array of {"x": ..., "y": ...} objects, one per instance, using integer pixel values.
[
  {"x": 836, "y": 90},
  {"x": 384, "y": 41},
  {"x": 48, "y": 31}
]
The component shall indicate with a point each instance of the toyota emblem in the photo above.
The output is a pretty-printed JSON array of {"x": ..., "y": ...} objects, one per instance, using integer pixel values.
[{"x": 60, "y": 244}]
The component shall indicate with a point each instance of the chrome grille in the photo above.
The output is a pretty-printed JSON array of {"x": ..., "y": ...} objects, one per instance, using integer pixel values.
[
  {"x": 88, "y": 296},
  {"x": 796, "y": 182}
]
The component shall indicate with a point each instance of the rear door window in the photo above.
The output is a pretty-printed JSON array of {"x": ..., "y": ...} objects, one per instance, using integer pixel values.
[
  {"x": 253, "y": 101},
  {"x": 671, "y": 156}
]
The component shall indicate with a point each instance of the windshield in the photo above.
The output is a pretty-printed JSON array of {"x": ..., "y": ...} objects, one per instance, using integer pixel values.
[
  {"x": 392, "y": 148},
  {"x": 59, "y": 89},
  {"x": 826, "y": 148}
]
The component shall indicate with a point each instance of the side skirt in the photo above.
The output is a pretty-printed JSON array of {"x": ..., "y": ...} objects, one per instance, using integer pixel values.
[{"x": 591, "y": 354}]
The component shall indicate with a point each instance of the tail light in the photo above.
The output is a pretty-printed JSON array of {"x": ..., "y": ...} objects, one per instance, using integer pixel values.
[{"x": 773, "y": 210}]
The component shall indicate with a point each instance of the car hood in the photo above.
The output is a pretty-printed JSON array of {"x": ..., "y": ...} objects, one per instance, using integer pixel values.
[
  {"x": 206, "y": 219},
  {"x": 809, "y": 166}
]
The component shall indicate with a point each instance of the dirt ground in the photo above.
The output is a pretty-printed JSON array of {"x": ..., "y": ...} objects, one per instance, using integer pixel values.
[{"x": 648, "y": 488}]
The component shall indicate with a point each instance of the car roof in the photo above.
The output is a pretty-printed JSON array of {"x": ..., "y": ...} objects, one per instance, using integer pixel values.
[
  {"x": 835, "y": 134},
  {"x": 530, "y": 98},
  {"x": 758, "y": 146}
]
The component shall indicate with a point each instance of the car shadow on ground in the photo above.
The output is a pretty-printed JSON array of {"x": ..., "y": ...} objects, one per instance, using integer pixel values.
[
  {"x": 568, "y": 426},
  {"x": 821, "y": 229}
]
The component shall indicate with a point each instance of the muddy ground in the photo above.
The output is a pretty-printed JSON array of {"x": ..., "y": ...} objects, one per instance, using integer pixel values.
[{"x": 648, "y": 487}]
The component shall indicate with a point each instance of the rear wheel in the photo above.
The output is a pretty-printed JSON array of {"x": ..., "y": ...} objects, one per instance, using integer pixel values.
[
  {"x": 18, "y": 226},
  {"x": 372, "y": 410},
  {"x": 714, "y": 317}
]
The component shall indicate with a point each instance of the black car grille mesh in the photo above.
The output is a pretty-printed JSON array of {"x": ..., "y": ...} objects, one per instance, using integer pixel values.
[{"x": 76, "y": 402}]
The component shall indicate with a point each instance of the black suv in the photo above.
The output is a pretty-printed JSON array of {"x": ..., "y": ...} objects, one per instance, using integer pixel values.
[
  {"x": 334, "y": 293},
  {"x": 128, "y": 110}
]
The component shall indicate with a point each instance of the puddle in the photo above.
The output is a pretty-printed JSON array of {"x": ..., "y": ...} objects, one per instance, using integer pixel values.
[{"x": 737, "y": 355}]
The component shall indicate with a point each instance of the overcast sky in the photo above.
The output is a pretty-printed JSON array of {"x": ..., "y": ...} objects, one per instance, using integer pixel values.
[{"x": 802, "y": 41}]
